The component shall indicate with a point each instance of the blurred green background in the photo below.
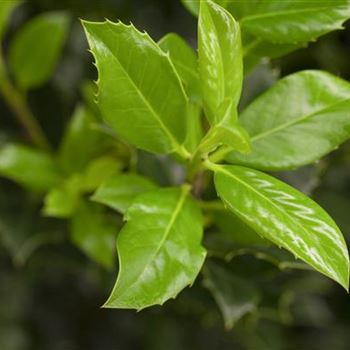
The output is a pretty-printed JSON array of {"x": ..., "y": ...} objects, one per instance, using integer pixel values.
[{"x": 50, "y": 292}]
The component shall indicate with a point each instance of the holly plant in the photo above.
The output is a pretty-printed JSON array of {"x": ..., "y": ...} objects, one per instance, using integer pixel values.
[{"x": 182, "y": 108}]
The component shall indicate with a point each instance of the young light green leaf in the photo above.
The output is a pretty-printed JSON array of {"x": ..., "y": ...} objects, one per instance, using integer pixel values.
[
  {"x": 119, "y": 191},
  {"x": 95, "y": 233},
  {"x": 159, "y": 249},
  {"x": 29, "y": 167},
  {"x": 293, "y": 21},
  {"x": 194, "y": 127},
  {"x": 138, "y": 83},
  {"x": 234, "y": 296},
  {"x": 81, "y": 142},
  {"x": 6, "y": 8},
  {"x": 193, "y": 5},
  {"x": 300, "y": 119},
  {"x": 62, "y": 201},
  {"x": 185, "y": 61},
  {"x": 220, "y": 60},
  {"x": 35, "y": 50},
  {"x": 286, "y": 217}
]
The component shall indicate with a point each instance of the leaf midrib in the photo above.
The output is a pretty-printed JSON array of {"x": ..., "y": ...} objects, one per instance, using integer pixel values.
[
  {"x": 284, "y": 13},
  {"x": 296, "y": 121},
  {"x": 172, "y": 139},
  {"x": 284, "y": 212},
  {"x": 176, "y": 212}
]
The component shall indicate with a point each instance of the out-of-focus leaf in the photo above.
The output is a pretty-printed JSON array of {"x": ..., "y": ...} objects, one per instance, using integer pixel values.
[
  {"x": 35, "y": 50},
  {"x": 29, "y": 167},
  {"x": 236, "y": 297},
  {"x": 81, "y": 142},
  {"x": 185, "y": 61},
  {"x": 99, "y": 170},
  {"x": 159, "y": 249},
  {"x": 95, "y": 233},
  {"x": 300, "y": 119},
  {"x": 6, "y": 8},
  {"x": 236, "y": 229},
  {"x": 119, "y": 191},
  {"x": 62, "y": 201},
  {"x": 220, "y": 62},
  {"x": 286, "y": 217},
  {"x": 193, "y": 5},
  {"x": 138, "y": 82}
]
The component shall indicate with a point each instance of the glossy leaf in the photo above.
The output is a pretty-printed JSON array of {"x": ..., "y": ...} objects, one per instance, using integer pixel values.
[
  {"x": 62, "y": 201},
  {"x": 6, "y": 8},
  {"x": 286, "y": 217},
  {"x": 159, "y": 249},
  {"x": 119, "y": 191},
  {"x": 194, "y": 127},
  {"x": 193, "y": 5},
  {"x": 293, "y": 21},
  {"x": 185, "y": 61},
  {"x": 220, "y": 61},
  {"x": 29, "y": 167},
  {"x": 35, "y": 50},
  {"x": 138, "y": 83},
  {"x": 300, "y": 119},
  {"x": 95, "y": 233},
  {"x": 81, "y": 142},
  {"x": 235, "y": 296}
]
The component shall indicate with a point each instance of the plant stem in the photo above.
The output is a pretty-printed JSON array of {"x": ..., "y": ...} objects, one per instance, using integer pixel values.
[{"x": 18, "y": 104}]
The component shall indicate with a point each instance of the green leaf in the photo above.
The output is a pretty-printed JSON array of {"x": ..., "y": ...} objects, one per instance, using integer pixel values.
[
  {"x": 286, "y": 217},
  {"x": 138, "y": 83},
  {"x": 185, "y": 61},
  {"x": 220, "y": 61},
  {"x": 6, "y": 8},
  {"x": 62, "y": 201},
  {"x": 235, "y": 229},
  {"x": 159, "y": 249},
  {"x": 29, "y": 167},
  {"x": 119, "y": 191},
  {"x": 293, "y": 21},
  {"x": 35, "y": 50},
  {"x": 300, "y": 119},
  {"x": 81, "y": 142},
  {"x": 194, "y": 127},
  {"x": 95, "y": 233},
  {"x": 193, "y": 5},
  {"x": 236, "y": 297}
]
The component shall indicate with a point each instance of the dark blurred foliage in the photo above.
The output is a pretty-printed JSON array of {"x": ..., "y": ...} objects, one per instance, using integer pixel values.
[{"x": 50, "y": 293}]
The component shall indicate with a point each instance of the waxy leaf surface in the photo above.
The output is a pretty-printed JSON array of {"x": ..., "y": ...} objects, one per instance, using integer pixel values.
[
  {"x": 220, "y": 61},
  {"x": 285, "y": 216},
  {"x": 119, "y": 191},
  {"x": 300, "y": 119},
  {"x": 35, "y": 50},
  {"x": 159, "y": 249},
  {"x": 140, "y": 93}
]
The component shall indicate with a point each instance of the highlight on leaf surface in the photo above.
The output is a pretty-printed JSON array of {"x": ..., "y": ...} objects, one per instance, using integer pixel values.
[
  {"x": 159, "y": 249},
  {"x": 285, "y": 216}
]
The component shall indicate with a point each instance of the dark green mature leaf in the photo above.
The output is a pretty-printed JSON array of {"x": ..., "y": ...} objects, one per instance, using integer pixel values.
[
  {"x": 300, "y": 119},
  {"x": 293, "y": 21},
  {"x": 159, "y": 249},
  {"x": 138, "y": 83},
  {"x": 220, "y": 62},
  {"x": 29, "y": 167},
  {"x": 119, "y": 191},
  {"x": 286, "y": 217},
  {"x": 95, "y": 233},
  {"x": 235, "y": 296},
  {"x": 35, "y": 50},
  {"x": 185, "y": 61},
  {"x": 6, "y": 8}
]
